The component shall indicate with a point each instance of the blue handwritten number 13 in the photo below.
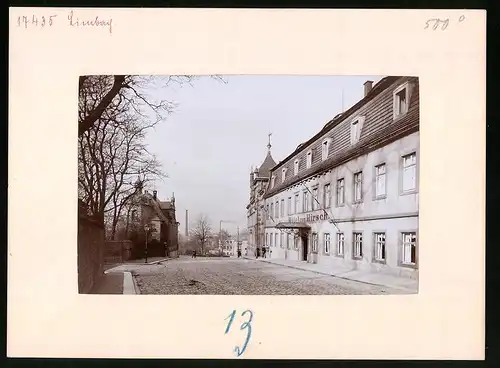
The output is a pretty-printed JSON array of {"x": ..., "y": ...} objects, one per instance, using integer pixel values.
[{"x": 245, "y": 325}]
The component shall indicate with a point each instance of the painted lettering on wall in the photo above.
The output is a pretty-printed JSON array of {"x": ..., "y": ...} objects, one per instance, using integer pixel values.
[{"x": 310, "y": 217}]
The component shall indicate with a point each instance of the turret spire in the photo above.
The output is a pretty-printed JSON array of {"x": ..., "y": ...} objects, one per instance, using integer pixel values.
[{"x": 269, "y": 141}]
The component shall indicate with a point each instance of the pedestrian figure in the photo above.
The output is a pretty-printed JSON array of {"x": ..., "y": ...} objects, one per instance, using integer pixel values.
[
  {"x": 258, "y": 252},
  {"x": 239, "y": 253},
  {"x": 264, "y": 252},
  {"x": 194, "y": 254}
]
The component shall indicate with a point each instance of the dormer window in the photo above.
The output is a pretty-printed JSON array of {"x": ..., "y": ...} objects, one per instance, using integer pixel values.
[
  {"x": 283, "y": 174},
  {"x": 309, "y": 157},
  {"x": 325, "y": 146},
  {"x": 356, "y": 127},
  {"x": 272, "y": 181},
  {"x": 401, "y": 100},
  {"x": 295, "y": 167}
]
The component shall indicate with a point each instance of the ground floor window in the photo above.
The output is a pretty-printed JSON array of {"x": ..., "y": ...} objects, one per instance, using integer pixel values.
[
  {"x": 271, "y": 240},
  {"x": 340, "y": 244},
  {"x": 276, "y": 239},
  {"x": 380, "y": 247},
  {"x": 288, "y": 241},
  {"x": 296, "y": 242},
  {"x": 357, "y": 245},
  {"x": 282, "y": 240},
  {"x": 409, "y": 252},
  {"x": 314, "y": 242},
  {"x": 267, "y": 239},
  {"x": 326, "y": 243}
]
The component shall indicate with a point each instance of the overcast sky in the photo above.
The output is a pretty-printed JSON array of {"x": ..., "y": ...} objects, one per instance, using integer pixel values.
[{"x": 218, "y": 131}]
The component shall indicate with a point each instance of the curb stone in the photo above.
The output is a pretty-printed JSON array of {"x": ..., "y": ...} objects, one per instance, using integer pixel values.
[{"x": 329, "y": 274}]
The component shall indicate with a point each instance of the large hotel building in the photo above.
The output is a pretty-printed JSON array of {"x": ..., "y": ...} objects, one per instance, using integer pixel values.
[{"x": 348, "y": 197}]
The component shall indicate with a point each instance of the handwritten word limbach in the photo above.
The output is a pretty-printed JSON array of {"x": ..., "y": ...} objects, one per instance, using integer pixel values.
[{"x": 94, "y": 22}]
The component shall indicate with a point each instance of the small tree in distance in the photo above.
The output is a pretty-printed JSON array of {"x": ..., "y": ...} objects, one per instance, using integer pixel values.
[{"x": 202, "y": 231}]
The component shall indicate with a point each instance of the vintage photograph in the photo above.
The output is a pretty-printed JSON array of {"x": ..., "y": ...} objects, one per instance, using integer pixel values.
[{"x": 248, "y": 184}]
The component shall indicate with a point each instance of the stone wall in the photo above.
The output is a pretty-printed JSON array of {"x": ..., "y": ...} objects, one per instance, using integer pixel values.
[
  {"x": 90, "y": 250},
  {"x": 117, "y": 251}
]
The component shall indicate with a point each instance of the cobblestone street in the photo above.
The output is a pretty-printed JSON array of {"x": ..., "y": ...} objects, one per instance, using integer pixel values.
[{"x": 230, "y": 276}]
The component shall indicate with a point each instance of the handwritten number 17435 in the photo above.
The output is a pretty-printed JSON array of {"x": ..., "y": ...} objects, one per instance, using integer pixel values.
[{"x": 244, "y": 326}]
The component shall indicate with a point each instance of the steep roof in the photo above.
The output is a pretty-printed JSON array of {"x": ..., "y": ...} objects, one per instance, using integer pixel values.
[{"x": 267, "y": 165}]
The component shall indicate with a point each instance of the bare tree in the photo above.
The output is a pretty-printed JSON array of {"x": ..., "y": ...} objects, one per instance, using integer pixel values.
[
  {"x": 130, "y": 88},
  {"x": 202, "y": 231}
]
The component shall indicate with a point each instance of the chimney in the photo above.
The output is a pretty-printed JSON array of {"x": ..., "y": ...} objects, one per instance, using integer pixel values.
[
  {"x": 155, "y": 193},
  {"x": 187, "y": 233},
  {"x": 368, "y": 87}
]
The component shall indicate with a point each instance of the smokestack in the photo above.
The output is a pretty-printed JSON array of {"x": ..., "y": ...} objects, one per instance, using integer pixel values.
[
  {"x": 368, "y": 87},
  {"x": 187, "y": 233}
]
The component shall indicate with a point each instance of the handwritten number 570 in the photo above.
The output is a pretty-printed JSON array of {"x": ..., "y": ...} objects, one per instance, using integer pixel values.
[{"x": 244, "y": 326}]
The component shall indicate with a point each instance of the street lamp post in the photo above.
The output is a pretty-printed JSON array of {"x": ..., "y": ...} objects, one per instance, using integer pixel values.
[{"x": 146, "y": 228}]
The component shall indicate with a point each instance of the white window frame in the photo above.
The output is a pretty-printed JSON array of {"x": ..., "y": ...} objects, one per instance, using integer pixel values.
[
  {"x": 327, "y": 195},
  {"x": 357, "y": 244},
  {"x": 406, "y": 247},
  {"x": 288, "y": 241},
  {"x": 283, "y": 174},
  {"x": 340, "y": 244},
  {"x": 267, "y": 239},
  {"x": 282, "y": 240},
  {"x": 309, "y": 159},
  {"x": 326, "y": 243},
  {"x": 315, "y": 196},
  {"x": 295, "y": 243},
  {"x": 340, "y": 197},
  {"x": 296, "y": 203},
  {"x": 273, "y": 180},
  {"x": 314, "y": 241},
  {"x": 396, "y": 102},
  {"x": 380, "y": 177},
  {"x": 296, "y": 167},
  {"x": 356, "y": 128},
  {"x": 357, "y": 184},
  {"x": 406, "y": 168},
  {"x": 276, "y": 239},
  {"x": 305, "y": 201},
  {"x": 325, "y": 148},
  {"x": 271, "y": 239},
  {"x": 379, "y": 246},
  {"x": 277, "y": 209},
  {"x": 289, "y": 205},
  {"x": 282, "y": 207}
]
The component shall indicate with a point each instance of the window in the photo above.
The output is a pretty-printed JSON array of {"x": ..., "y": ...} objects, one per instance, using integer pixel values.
[
  {"x": 267, "y": 212},
  {"x": 327, "y": 194},
  {"x": 315, "y": 199},
  {"x": 340, "y": 192},
  {"x": 305, "y": 201},
  {"x": 380, "y": 181},
  {"x": 409, "y": 254},
  {"x": 277, "y": 210},
  {"x": 409, "y": 172},
  {"x": 270, "y": 240},
  {"x": 271, "y": 214},
  {"x": 296, "y": 242},
  {"x": 358, "y": 186},
  {"x": 314, "y": 242},
  {"x": 276, "y": 239},
  {"x": 340, "y": 244},
  {"x": 324, "y": 149},
  {"x": 283, "y": 174},
  {"x": 288, "y": 241},
  {"x": 272, "y": 181},
  {"x": 267, "y": 239},
  {"x": 401, "y": 100},
  {"x": 289, "y": 206},
  {"x": 309, "y": 159},
  {"x": 356, "y": 126},
  {"x": 295, "y": 167},
  {"x": 357, "y": 245},
  {"x": 282, "y": 240},
  {"x": 327, "y": 243},
  {"x": 379, "y": 247},
  {"x": 282, "y": 208},
  {"x": 296, "y": 203}
]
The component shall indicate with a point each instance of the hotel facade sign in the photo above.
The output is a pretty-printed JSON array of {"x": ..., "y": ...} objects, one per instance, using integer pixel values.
[{"x": 310, "y": 217}]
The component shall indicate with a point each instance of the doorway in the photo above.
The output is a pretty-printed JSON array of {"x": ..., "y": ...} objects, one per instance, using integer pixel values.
[{"x": 305, "y": 247}]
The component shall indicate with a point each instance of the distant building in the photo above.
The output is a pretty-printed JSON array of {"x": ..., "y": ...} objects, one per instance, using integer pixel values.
[
  {"x": 259, "y": 179},
  {"x": 348, "y": 198},
  {"x": 161, "y": 220}
]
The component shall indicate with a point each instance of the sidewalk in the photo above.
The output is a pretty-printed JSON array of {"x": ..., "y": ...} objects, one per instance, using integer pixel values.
[
  {"x": 379, "y": 279},
  {"x": 116, "y": 282}
]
